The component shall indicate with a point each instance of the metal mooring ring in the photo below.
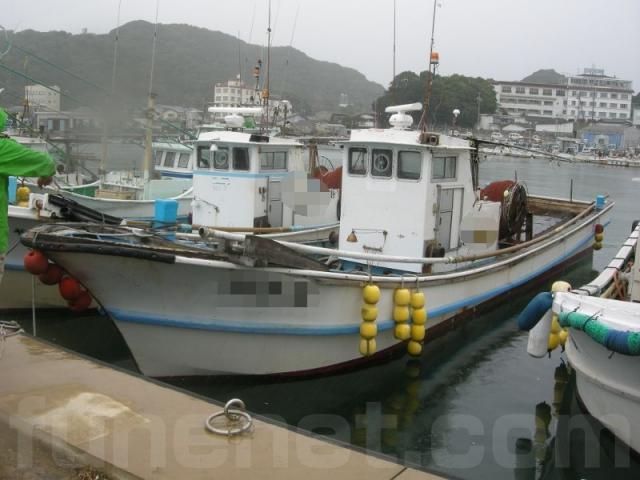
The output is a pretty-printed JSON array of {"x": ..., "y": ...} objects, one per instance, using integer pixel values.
[{"x": 238, "y": 420}]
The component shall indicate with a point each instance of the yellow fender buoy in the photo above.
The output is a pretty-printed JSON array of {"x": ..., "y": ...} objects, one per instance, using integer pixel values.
[
  {"x": 22, "y": 193},
  {"x": 419, "y": 316},
  {"x": 554, "y": 341},
  {"x": 417, "y": 333},
  {"x": 401, "y": 313},
  {"x": 401, "y": 297},
  {"x": 402, "y": 331},
  {"x": 562, "y": 336},
  {"x": 367, "y": 347},
  {"x": 417, "y": 300},
  {"x": 369, "y": 314},
  {"x": 371, "y": 294},
  {"x": 414, "y": 348},
  {"x": 368, "y": 330}
]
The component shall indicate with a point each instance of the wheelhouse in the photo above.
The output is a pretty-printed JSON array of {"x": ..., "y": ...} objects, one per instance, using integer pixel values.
[{"x": 404, "y": 197}]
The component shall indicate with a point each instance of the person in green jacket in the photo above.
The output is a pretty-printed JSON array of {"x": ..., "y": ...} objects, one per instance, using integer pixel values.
[{"x": 17, "y": 161}]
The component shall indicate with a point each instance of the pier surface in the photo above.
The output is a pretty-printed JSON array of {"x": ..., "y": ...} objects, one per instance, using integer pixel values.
[{"x": 60, "y": 413}]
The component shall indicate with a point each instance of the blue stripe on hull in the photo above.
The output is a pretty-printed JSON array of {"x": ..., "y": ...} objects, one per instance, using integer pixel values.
[
  {"x": 257, "y": 328},
  {"x": 176, "y": 175}
]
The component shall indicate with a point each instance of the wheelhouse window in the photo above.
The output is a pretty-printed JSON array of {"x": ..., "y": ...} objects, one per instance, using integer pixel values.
[
  {"x": 273, "y": 161},
  {"x": 183, "y": 161},
  {"x": 157, "y": 157},
  {"x": 217, "y": 158},
  {"x": 381, "y": 163},
  {"x": 241, "y": 159},
  {"x": 409, "y": 165},
  {"x": 357, "y": 161},
  {"x": 444, "y": 168},
  {"x": 170, "y": 159}
]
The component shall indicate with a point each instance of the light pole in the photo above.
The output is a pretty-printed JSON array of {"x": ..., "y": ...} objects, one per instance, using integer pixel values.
[{"x": 456, "y": 113}]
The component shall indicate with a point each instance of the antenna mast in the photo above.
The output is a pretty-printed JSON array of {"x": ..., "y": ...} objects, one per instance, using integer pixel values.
[
  {"x": 433, "y": 62},
  {"x": 265, "y": 92},
  {"x": 394, "y": 42},
  {"x": 148, "y": 151},
  {"x": 105, "y": 120}
]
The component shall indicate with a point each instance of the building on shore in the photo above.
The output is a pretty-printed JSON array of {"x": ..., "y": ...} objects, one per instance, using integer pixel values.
[
  {"x": 524, "y": 99},
  {"x": 589, "y": 96},
  {"x": 593, "y": 95},
  {"x": 235, "y": 93},
  {"x": 42, "y": 98}
]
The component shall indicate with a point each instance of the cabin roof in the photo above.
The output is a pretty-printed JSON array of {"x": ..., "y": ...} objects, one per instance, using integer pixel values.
[
  {"x": 404, "y": 137},
  {"x": 243, "y": 137},
  {"x": 172, "y": 146}
]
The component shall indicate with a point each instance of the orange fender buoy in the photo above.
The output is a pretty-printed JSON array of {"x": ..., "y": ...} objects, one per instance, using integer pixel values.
[
  {"x": 52, "y": 276},
  {"x": 69, "y": 288},
  {"x": 81, "y": 303},
  {"x": 36, "y": 262}
]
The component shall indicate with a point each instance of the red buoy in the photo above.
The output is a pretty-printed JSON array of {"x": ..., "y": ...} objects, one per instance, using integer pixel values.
[
  {"x": 35, "y": 262},
  {"x": 69, "y": 288},
  {"x": 81, "y": 303},
  {"x": 52, "y": 276},
  {"x": 599, "y": 228}
]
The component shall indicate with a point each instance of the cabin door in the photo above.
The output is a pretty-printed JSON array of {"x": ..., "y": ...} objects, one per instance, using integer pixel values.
[
  {"x": 274, "y": 210},
  {"x": 448, "y": 215}
]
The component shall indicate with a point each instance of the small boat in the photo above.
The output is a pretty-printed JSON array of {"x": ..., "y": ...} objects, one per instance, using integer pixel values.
[
  {"x": 418, "y": 240},
  {"x": 602, "y": 319}
]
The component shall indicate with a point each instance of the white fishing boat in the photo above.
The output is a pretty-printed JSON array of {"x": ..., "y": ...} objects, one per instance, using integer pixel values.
[
  {"x": 413, "y": 226},
  {"x": 603, "y": 345},
  {"x": 173, "y": 160}
]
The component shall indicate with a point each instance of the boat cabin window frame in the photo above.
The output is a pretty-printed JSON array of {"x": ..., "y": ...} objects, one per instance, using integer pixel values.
[
  {"x": 202, "y": 162},
  {"x": 183, "y": 160},
  {"x": 274, "y": 160},
  {"x": 360, "y": 172},
  {"x": 449, "y": 170},
  {"x": 241, "y": 162},
  {"x": 381, "y": 163},
  {"x": 399, "y": 170},
  {"x": 169, "y": 160},
  {"x": 220, "y": 159},
  {"x": 157, "y": 158}
]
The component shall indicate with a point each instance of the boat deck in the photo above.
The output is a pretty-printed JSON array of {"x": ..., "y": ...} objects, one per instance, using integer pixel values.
[{"x": 92, "y": 415}]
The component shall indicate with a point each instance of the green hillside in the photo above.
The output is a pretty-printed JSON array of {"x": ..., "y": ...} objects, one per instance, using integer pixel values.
[
  {"x": 189, "y": 60},
  {"x": 546, "y": 76}
]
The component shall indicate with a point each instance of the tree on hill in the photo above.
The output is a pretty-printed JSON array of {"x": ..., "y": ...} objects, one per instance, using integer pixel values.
[
  {"x": 546, "y": 76},
  {"x": 448, "y": 93},
  {"x": 189, "y": 61}
]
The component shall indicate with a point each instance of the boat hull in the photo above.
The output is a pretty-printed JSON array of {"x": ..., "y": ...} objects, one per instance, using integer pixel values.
[
  {"x": 197, "y": 317},
  {"x": 130, "y": 209},
  {"x": 16, "y": 287},
  {"x": 608, "y": 386}
]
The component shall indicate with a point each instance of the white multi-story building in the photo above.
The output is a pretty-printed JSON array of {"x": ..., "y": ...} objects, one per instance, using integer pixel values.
[
  {"x": 234, "y": 93},
  {"x": 531, "y": 99},
  {"x": 43, "y": 98},
  {"x": 588, "y": 96},
  {"x": 593, "y": 95}
]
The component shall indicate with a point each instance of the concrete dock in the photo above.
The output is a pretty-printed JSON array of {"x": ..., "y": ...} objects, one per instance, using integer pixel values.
[{"x": 61, "y": 413}]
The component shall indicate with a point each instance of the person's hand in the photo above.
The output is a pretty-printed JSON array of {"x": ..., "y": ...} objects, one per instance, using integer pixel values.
[{"x": 44, "y": 181}]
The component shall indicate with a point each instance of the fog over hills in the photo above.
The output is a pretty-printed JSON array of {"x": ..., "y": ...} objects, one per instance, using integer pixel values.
[{"x": 189, "y": 61}]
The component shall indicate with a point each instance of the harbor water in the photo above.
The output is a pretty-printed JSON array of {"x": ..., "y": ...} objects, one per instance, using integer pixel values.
[{"x": 475, "y": 405}]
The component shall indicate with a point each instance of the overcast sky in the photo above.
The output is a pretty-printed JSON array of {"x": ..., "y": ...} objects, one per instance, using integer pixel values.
[{"x": 501, "y": 39}]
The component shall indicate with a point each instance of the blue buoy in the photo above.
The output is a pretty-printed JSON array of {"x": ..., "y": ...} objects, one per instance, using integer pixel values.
[
  {"x": 165, "y": 214},
  {"x": 536, "y": 309},
  {"x": 13, "y": 188},
  {"x": 600, "y": 202}
]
